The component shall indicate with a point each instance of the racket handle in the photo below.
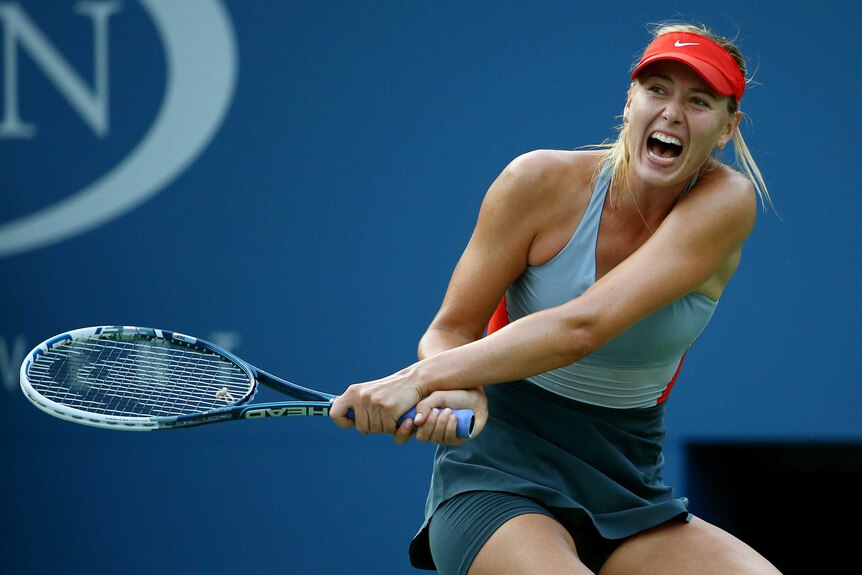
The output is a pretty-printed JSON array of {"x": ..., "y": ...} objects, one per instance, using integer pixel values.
[{"x": 465, "y": 419}]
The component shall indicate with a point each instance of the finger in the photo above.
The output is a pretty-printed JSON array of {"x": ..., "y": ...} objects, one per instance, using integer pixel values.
[
  {"x": 404, "y": 432},
  {"x": 424, "y": 407},
  {"x": 362, "y": 420},
  {"x": 343, "y": 422},
  {"x": 383, "y": 423},
  {"x": 374, "y": 423},
  {"x": 424, "y": 432},
  {"x": 390, "y": 423},
  {"x": 450, "y": 435},
  {"x": 436, "y": 401},
  {"x": 338, "y": 413},
  {"x": 454, "y": 398},
  {"x": 438, "y": 436}
]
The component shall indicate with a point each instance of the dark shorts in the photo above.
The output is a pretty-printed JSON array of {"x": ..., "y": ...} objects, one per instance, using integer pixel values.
[
  {"x": 463, "y": 524},
  {"x": 596, "y": 470}
]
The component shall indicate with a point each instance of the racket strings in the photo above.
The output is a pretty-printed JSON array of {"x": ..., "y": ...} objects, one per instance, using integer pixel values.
[{"x": 138, "y": 376}]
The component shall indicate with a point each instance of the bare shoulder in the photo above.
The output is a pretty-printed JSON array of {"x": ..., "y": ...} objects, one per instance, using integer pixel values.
[
  {"x": 544, "y": 175},
  {"x": 730, "y": 182},
  {"x": 723, "y": 196},
  {"x": 547, "y": 166},
  {"x": 540, "y": 198}
]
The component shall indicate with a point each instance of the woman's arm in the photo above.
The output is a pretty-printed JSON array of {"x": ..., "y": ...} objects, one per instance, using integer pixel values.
[
  {"x": 702, "y": 232},
  {"x": 527, "y": 216},
  {"x": 510, "y": 219}
]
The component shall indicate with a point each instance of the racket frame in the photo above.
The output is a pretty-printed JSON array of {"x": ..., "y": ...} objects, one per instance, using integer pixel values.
[{"x": 313, "y": 403}]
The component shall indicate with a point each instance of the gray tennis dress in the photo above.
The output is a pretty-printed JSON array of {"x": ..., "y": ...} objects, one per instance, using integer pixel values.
[{"x": 584, "y": 441}]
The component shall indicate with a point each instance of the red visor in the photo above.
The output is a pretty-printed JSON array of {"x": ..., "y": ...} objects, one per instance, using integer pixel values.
[{"x": 711, "y": 61}]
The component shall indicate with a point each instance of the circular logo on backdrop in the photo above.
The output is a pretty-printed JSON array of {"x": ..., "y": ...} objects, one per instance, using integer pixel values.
[{"x": 201, "y": 71}]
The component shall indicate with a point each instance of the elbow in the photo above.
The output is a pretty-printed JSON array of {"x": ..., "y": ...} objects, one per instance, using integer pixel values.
[
  {"x": 582, "y": 341},
  {"x": 583, "y": 336}
]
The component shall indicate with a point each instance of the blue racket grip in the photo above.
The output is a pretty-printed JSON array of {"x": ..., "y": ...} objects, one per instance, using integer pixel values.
[{"x": 465, "y": 418}]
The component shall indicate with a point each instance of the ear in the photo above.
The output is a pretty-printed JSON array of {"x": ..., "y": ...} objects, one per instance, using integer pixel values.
[
  {"x": 628, "y": 105},
  {"x": 727, "y": 133}
]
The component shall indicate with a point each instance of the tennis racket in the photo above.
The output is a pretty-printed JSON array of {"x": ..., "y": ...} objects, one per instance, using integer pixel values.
[{"x": 140, "y": 378}]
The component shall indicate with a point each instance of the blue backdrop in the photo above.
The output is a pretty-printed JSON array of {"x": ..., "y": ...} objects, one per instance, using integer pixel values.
[{"x": 296, "y": 180}]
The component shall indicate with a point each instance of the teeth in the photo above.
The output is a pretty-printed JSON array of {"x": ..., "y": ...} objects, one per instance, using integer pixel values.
[
  {"x": 666, "y": 139},
  {"x": 660, "y": 159}
]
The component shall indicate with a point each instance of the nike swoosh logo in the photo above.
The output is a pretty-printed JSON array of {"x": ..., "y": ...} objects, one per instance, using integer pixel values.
[{"x": 679, "y": 44}]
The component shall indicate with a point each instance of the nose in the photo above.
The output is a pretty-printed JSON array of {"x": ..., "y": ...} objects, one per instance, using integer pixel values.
[{"x": 672, "y": 113}]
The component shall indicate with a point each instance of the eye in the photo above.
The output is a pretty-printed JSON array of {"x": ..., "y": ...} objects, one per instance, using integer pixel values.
[
  {"x": 700, "y": 102},
  {"x": 656, "y": 89}
]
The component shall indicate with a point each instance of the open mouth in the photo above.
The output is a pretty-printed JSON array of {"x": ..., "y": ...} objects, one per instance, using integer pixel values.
[{"x": 663, "y": 148}]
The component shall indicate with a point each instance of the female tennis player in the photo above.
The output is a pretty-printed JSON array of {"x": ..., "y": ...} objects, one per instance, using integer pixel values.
[{"x": 612, "y": 261}]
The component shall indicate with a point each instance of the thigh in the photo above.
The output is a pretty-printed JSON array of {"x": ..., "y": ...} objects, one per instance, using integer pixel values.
[
  {"x": 679, "y": 548},
  {"x": 502, "y": 533},
  {"x": 529, "y": 545}
]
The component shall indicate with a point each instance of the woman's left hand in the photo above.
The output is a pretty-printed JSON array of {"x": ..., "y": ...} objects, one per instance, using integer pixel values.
[{"x": 435, "y": 421}]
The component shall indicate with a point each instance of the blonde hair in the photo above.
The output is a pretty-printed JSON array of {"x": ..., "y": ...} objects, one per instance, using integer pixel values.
[{"x": 618, "y": 155}]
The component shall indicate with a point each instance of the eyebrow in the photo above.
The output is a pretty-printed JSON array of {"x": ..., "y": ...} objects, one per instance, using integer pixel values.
[{"x": 668, "y": 79}]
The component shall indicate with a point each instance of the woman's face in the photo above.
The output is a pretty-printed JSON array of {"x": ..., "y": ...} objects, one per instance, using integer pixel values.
[{"x": 674, "y": 121}]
